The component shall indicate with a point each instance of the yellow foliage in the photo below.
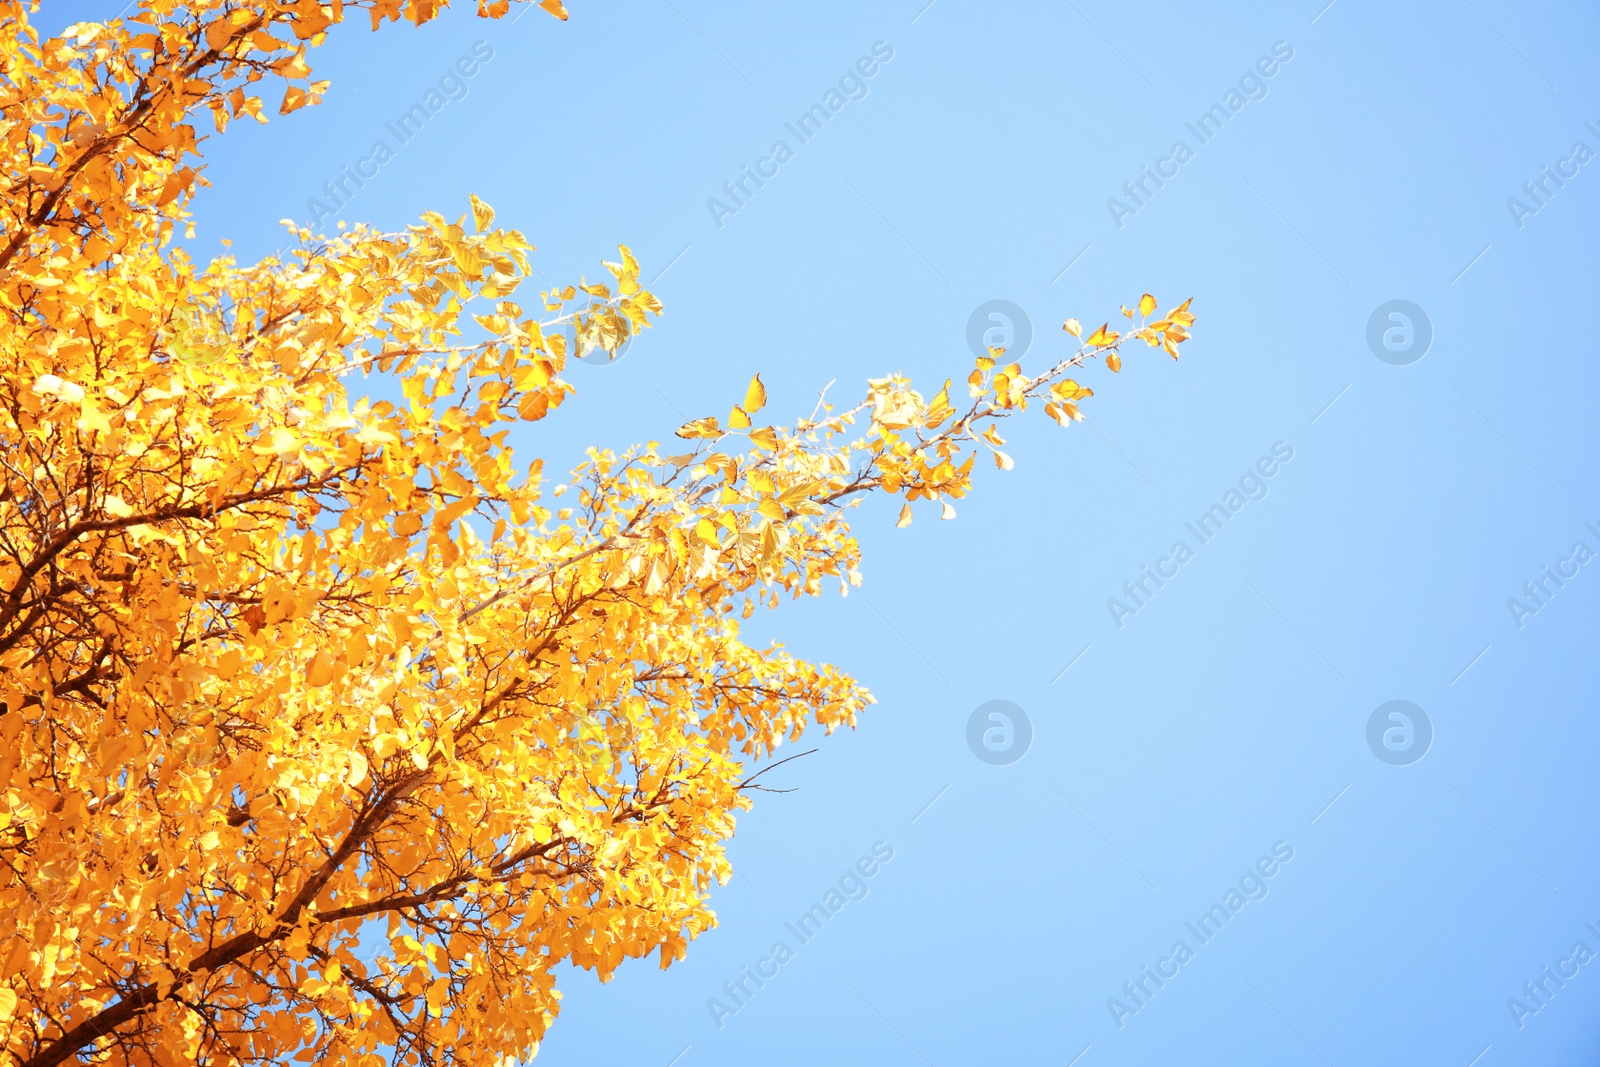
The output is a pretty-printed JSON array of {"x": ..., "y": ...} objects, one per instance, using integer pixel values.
[{"x": 282, "y": 668}]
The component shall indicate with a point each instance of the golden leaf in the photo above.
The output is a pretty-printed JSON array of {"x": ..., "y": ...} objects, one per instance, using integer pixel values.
[
  {"x": 321, "y": 669},
  {"x": 755, "y": 397},
  {"x": 1103, "y": 336},
  {"x": 706, "y": 427},
  {"x": 482, "y": 214}
]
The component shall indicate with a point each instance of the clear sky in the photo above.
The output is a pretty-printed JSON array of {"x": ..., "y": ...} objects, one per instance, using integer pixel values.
[{"x": 1387, "y": 486}]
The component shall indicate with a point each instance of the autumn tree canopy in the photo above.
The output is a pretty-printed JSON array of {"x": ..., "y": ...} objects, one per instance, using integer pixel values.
[{"x": 330, "y": 726}]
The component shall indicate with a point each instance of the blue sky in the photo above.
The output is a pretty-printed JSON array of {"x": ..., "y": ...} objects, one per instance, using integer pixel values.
[{"x": 1174, "y": 747}]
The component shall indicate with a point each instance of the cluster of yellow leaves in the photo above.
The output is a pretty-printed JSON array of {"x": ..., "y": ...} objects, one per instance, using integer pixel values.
[{"x": 326, "y": 731}]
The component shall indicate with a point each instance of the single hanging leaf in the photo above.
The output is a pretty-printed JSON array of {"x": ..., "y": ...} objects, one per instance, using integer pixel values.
[
  {"x": 755, "y": 397},
  {"x": 482, "y": 214}
]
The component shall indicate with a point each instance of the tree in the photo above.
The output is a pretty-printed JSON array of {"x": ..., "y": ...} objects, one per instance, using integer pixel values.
[{"x": 328, "y": 731}]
